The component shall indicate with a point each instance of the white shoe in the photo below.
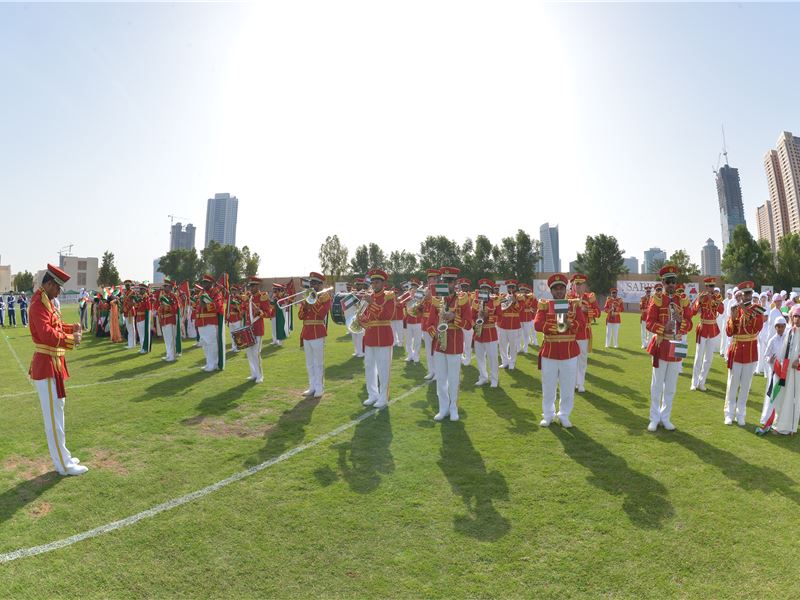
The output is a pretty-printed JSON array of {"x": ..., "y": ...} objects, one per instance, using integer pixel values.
[
  {"x": 740, "y": 422},
  {"x": 75, "y": 460},
  {"x": 207, "y": 370},
  {"x": 454, "y": 414},
  {"x": 481, "y": 382},
  {"x": 565, "y": 422},
  {"x": 728, "y": 421},
  {"x": 692, "y": 387},
  {"x": 407, "y": 359},
  {"x": 319, "y": 394},
  {"x": 308, "y": 392},
  {"x": 702, "y": 387},
  {"x": 544, "y": 423},
  {"x": 429, "y": 376},
  {"x": 439, "y": 416},
  {"x": 652, "y": 426},
  {"x": 259, "y": 380},
  {"x": 142, "y": 351},
  {"x": 493, "y": 384},
  {"x": 668, "y": 425},
  {"x": 368, "y": 402},
  {"x": 380, "y": 404},
  {"x": 503, "y": 366},
  {"x": 581, "y": 390},
  {"x": 74, "y": 469},
  {"x": 251, "y": 378}
]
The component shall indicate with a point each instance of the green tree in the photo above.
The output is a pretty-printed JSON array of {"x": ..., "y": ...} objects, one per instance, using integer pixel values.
[
  {"x": 479, "y": 263},
  {"x": 221, "y": 259},
  {"x": 684, "y": 264},
  {"x": 788, "y": 266},
  {"x": 527, "y": 256},
  {"x": 402, "y": 266},
  {"x": 250, "y": 262},
  {"x": 23, "y": 281},
  {"x": 602, "y": 262},
  {"x": 377, "y": 258},
  {"x": 439, "y": 251},
  {"x": 333, "y": 257},
  {"x": 745, "y": 259},
  {"x": 108, "y": 274},
  {"x": 656, "y": 264},
  {"x": 182, "y": 265},
  {"x": 359, "y": 264}
]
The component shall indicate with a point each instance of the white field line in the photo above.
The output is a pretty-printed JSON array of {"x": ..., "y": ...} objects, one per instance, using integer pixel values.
[
  {"x": 196, "y": 495},
  {"x": 19, "y": 362}
]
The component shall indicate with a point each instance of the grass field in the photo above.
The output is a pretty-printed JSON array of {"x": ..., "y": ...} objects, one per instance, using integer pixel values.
[{"x": 396, "y": 505}]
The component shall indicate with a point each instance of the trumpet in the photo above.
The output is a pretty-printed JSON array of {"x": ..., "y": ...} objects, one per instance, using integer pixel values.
[
  {"x": 413, "y": 305},
  {"x": 412, "y": 293},
  {"x": 508, "y": 301},
  {"x": 309, "y": 296}
]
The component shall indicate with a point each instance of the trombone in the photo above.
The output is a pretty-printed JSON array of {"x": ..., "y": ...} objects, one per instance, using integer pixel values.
[{"x": 309, "y": 296}]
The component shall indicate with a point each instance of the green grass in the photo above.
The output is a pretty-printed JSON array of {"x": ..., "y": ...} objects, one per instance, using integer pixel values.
[{"x": 397, "y": 506}]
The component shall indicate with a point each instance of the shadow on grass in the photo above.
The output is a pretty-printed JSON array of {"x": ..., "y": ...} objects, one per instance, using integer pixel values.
[
  {"x": 644, "y": 498},
  {"x": 346, "y": 370},
  {"x": 367, "y": 456},
  {"x": 466, "y": 472},
  {"x": 617, "y": 388},
  {"x": 288, "y": 432},
  {"x": 24, "y": 493},
  {"x": 178, "y": 386},
  {"x": 224, "y": 401},
  {"x": 147, "y": 367},
  {"x": 429, "y": 406},
  {"x": 520, "y": 421}
]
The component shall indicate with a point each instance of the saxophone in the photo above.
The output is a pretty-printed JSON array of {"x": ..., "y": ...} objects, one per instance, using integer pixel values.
[
  {"x": 441, "y": 328},
  {"x": 479, "y": 320}
]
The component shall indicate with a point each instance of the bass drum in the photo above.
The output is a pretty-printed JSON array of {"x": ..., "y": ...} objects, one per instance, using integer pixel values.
[{"x": 337, "y": 312}]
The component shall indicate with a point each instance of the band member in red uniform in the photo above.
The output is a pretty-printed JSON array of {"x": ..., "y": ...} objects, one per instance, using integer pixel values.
[
  {"x": 210, "y": 314},
  {"x": 129, "y": 312},
  {"x": 558, "y": 356},
  {"x": 312, "y": 337},
  {"x": 528, "y": 304},
  {"x": 583, "y": 335},
  {"x": 433, "y": 277},
  {"x": 509, "y": 331},
  {"x": 613, "y": 308},
  {"x": 413, "y": 320},
  {"x": 669, "y": 317},
  {"x": 743, "y": 326},
  {"x": 167, "y": 315},
  {"x": 51, "y": 339},
  {"x": 709, "y": 306},
  {"x": 378, "y": 339},
  {"x": 644, "y": 304},
  {"x": 463, "y": 285},
  {"x": 257, "y": 309},
  {"x": 485, "y": 336},
  {"x": 144, "y": 309},
  {"x": 235, "y": 315},
  {"x": 446, "y": 324},
  {"x": 360, "y": 289},
  {"x": 398, "y": 320}
]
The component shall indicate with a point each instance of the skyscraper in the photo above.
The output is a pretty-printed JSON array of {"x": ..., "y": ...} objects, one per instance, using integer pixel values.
[
  {"x": 710, "y": 260},
  {"x": 783, "y": 177},
  {"x": 651, "y": 255},
  {"x": 221, "y": 219},
  {"x": 729, "y": 192},
  {"x": 632, "y": 263},
  {"x": 766, "y": 230},
  {"x": 550, "y": 263},
  {"x": 180, "y": 237}
]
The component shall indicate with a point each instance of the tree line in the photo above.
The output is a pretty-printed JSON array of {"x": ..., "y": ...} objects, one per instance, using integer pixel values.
[{"x": 746, "y": 258}]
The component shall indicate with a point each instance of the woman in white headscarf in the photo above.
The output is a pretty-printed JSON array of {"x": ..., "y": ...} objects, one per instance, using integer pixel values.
[{"x": 787, "y": 404}]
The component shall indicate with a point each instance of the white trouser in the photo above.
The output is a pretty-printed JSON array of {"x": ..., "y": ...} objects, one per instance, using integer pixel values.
[
  {"x": 413, "y": 340},
  {"x": 561, "y": 374},
  {"x": 448, "y": 373},
  {"x": 466, "y": 357},
  {"x": 233, "y": 326},
  {"x": 509, "y": 340},
  {"x": 358, "y": 343},
  {"x": 482, "y": 351},
  {"x": 429, "y": 341},
  {"x": 663, "y": 383},
  {"x": 377, "y": 362},
  {"x": 740, "y": 376},
  {"x": 762, "y": 348},
  {"x": 703, "y": 357},
  {"x": 169, "y": 340},
  {"x": 768, "y": 375},
  {"x": 534, "y": 336},
  {"x": 208, "y": 339},
  {"x": 157, "y": 323},
  {"x": 582, "y": 363},
  {"x": 397, "y": 329},
  {"x": 724, "y": 344},
  {"x": 315, "y": 364},
  {"x": 253, "y": 354},
  {"x": 140, "y": 325},
  {"x": 130, "y": 323},
  {"x": 191, "y": 329},
  {"x": 527, "y": 328},
  {"x": 612, "y": 334},
  {"x": 274, "y": 329},
  {"x": 53, "y": 416},
  {"x": 645, "y": 334}
]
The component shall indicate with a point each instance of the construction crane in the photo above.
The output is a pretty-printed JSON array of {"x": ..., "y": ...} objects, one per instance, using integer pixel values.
[
  {"x": 173, "y": 217},
  {"x": 723, "y": 153},
  {"x": 68, "y": 248}
]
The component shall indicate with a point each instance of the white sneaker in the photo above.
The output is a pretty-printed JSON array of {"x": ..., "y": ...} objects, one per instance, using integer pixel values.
[
  {"x": 75, "y": 460},
  {"x": 319, "y": 394},
  {"x": 308, "y": 392},
  {"x": 668, "y": 425},
  {"x": 429, "y": 376},
  {"x": 251, "y": 378},
  {"x": 259, "y": 380},
  {"x": 380, "y": 404},
  {"x": 74, "y": 469},
  {"x": 692, "y": 387},
  {"x": 454, "y": 414},
  {"x": 581, "y": 390},
  {"x": 544, "y": 423},
  {"x": 728, "y": 421},
  {"x": 652, "y": 426},
  {"x": 565, "y": 422},
  {"x": 493, "y": 384},
  {"x": 439, "y": 416},
  {"x": 407, "y": 359},
  {"x": 481, "y": 382},
  {"x": 701, "y": 387},
  {"x": 740, "y": 422},
  {"x": 368, "y": 402}
]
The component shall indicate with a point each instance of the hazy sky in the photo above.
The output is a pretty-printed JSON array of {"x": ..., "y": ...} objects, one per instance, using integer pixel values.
[{"x": 383, "y": 122}]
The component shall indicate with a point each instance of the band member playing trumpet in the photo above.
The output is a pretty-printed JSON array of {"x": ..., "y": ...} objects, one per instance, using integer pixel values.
[
  {"x": 559, "y": 320},
  {"x": 427, "y": 309},
  {"x": 613, "y": 308},
  {"x": 378, "y": 339},
  {"x": 709, "y": 305},
  {"x": 510, "y": 329},
  {"x": 313, "y": 312},
  {"x": 235, "y": 315},
  {"x": 413, "y": 319},
  {"x": 583, "y": 335},
  {"x": 484, "y": 309},
  {"x": 644, "y": 304},
  {"x": 528, "y": 304},
  {"x": 257, "y": 309},
  {"x": 744, "y": 324},
  {"x": 669, "y": 317},
  {"x": 445, "y": 325}
]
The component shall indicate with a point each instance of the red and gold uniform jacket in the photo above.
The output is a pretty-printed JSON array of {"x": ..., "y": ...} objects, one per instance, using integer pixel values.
[
  {"x": 168, "y": 308},
  {"x": 528, "y": 310},
  {"x": 412, "y": 319},
  {"x": 557, "y": 345},
  {"x": 459, "y": 304},
  {"x": 510, "y": 318},
  {"x": 141, "y": 306},
  {"x": 424, "y": 312},
  {"x": 51, "y": 340},
  {"x": 709, "y": 306},
  {"x": 644, "y": 304},
  {"x": 590, "y": 309},
  {"x": 127, "y": 304},
  {"x": 489, "y": 330},
  {"x": 612, "y": 308},
  {"x": 399, "y": 310},
  {"x": 377, "y": 320},
  {"x": 235, "y": 309},
  {"x": 257, "y": 304},
  {"x": 744, "y": 330},
  {"x": 209, "y": 305},
  {"x": 313, "y": 318},
  {"x": 658, "y": 313}
]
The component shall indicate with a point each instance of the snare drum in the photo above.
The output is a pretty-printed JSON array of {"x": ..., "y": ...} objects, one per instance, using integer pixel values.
[
  {"x": 244, "y": 337},
  {"x": 337, "y": 310}
]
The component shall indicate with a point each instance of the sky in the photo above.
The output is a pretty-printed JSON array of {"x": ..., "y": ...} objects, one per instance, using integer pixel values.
[{"x": 383, "y": 122}]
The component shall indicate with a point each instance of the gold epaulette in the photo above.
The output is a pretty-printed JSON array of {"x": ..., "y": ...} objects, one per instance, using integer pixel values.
[
  {"x": 462, "y": 298},
  {"x": 390, "y": 295},
  {"x": 543, "y": 305},
  {"x": 658, "y": 298}
]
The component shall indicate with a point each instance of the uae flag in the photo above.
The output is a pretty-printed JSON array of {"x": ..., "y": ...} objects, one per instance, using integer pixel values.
[
  {"x": 349, "y": 301},
  {"x": 442, "y": 289},
  {"x": 560, "y": 307},
  {"x": 776, "y": 384},
  {"x": 678, "y": 349}
]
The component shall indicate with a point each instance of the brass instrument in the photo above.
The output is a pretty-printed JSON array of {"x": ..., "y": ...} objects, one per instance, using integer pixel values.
[
  {"x": 415, "y": 303},
  {"x": 309, "y": 296},
  {"x": 674, "y": 320},
  {"x": 561, "y": 322},
  {"x": 481, "y": 309},
  {"x": 353, "y": 324},
  {"x": 441, "y": 328},
  {"x": 508, "y": 301}
]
